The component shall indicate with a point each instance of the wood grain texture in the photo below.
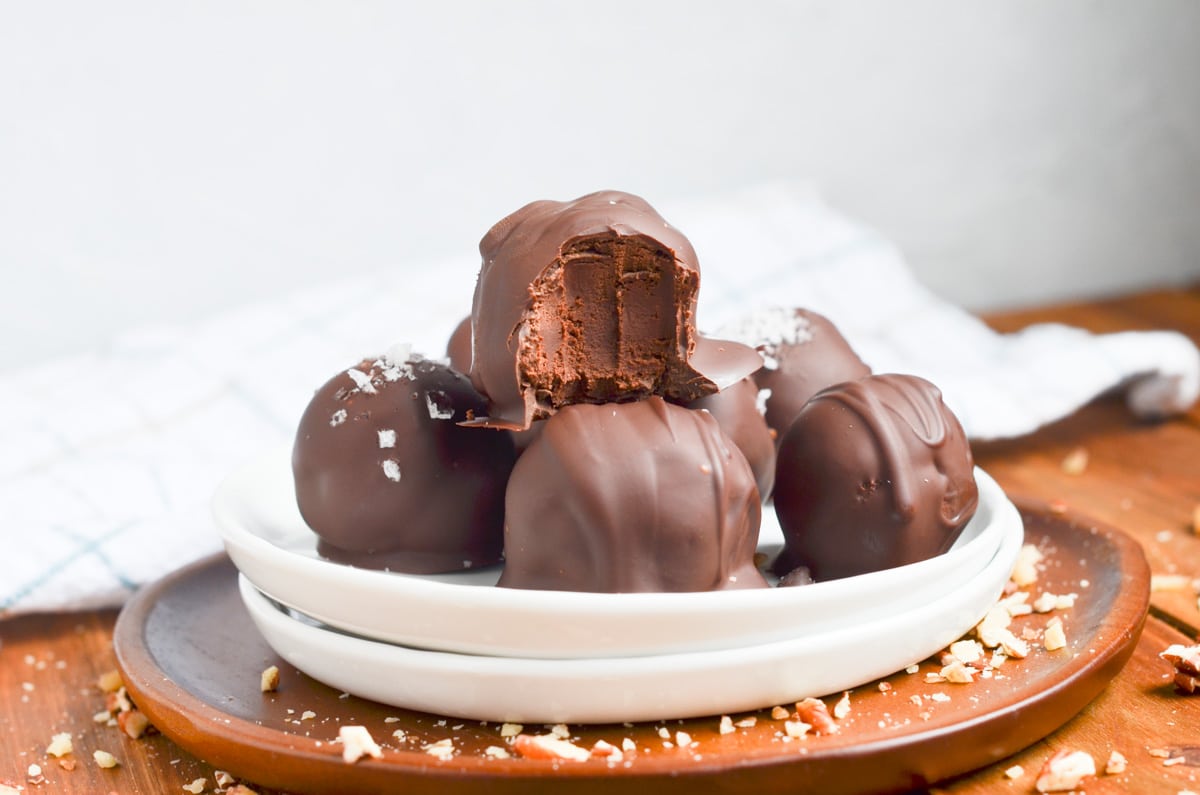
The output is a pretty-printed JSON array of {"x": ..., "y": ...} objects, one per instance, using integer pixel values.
[{"x": 1143, "y": 478}]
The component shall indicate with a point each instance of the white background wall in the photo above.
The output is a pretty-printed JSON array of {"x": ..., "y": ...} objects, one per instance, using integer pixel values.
[{"x": 161, "y": 160}]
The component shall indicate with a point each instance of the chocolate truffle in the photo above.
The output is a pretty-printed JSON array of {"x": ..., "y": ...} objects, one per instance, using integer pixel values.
[
  {"x": 643, "y": 496},
  {"x": 458, "y": 350},
  {"x": 802, "y": 354},
  {"x": 458, "y": 347},
  {"x": 736, "y": 411},
  {"x": 872, "y": 474},
  {"x": 591, "y": 301},
  {"x": 387, "y": 478}
]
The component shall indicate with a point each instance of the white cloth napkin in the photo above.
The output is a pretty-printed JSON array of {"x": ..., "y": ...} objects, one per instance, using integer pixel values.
[{"x": 109, "y": 459}]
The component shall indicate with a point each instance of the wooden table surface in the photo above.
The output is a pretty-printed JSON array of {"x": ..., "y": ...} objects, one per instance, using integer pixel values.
[{"x": 1142, "y": 478}]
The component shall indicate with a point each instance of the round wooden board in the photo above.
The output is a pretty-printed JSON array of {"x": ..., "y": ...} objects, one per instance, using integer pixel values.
[{"x": 191, "y": 659}]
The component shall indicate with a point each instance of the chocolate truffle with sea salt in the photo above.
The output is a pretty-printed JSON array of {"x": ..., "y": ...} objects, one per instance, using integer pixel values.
[
  {"x": 803, "y": 353},
  {"x": 872, "y": 474},
  {"x": 591, "y": 301},
  {"x": 631, "y": 497},
  {"x": 387, "y": 478}
]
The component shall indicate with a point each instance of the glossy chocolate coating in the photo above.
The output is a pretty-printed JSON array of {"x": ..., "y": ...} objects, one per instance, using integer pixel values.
[
  {"x": 458, "y": 351},
  {"x": 591, "y": 301},
  {"x": 872, "y": 474},
  {"x": 643, "y": 496},
  {"x": 458, "y": 347},
  {"x": 387, "y": 478},
  {"x": 803, "y": 353},
  {"x": 736, "y": 411}
]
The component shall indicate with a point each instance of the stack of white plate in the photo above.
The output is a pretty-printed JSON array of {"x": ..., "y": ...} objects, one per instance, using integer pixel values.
[{"x": 455, "y": 644}]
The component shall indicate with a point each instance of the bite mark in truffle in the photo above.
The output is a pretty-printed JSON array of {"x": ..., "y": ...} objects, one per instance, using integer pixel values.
[{"x": 592, "y": 301}]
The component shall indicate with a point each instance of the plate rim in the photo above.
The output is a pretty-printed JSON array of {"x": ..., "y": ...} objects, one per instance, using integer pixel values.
[
  {"x": 304, "y": 758},
  {"x": 605, "y": 610}
]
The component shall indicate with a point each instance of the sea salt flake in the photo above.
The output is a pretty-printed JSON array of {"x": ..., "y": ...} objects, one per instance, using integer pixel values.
[
  {"x": 437, "y": 402},
  {"x": 362, "y": 381},
  {"x": 770, "y": 329},
  {"x": 391, "y": 469},
  {"x": 337, "y": 418},
  {"x": 387, "y": 439}
]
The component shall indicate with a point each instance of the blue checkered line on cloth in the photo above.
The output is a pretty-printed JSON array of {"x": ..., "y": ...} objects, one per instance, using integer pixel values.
[{"x": 109, "y": 459}]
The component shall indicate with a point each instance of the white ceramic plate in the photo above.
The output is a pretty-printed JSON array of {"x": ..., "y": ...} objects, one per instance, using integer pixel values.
[
  {"x": 654, "y": 687},
  {"x": 255, "y": 509}
]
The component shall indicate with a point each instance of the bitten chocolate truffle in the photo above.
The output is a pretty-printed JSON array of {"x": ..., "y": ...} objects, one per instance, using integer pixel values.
[
  {"x": 387, "y": 478},
  {"x": 872, "y": 474},
  {"x": 803, "y": 353},
  {"x": 591, "y": 301},
  {"x": 736, "y": 410},
  {"x": 631, "y": 497}
]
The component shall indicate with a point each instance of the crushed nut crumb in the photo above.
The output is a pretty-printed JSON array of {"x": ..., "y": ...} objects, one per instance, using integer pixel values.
[
  {"x": 105, "y": 759},
  {"x": 1014, "y": 772},
  {"x": 60, "y": 744},
  {"x": 442, "y": 749},
  {"x": 842, "y": 708},
  {"x": 1076, "y": 461},
  {"x": 1186, "y": 660},
  {"x": 1065, "y": 770},
  {"x": 814, "y": 712},
  {"x": 1170, "y": 582},
  {"x": 1025, "y": 571},
  {"x": 197, "y": 786},
  {"x": 796, "y": 728},
  {"x": 269, "y": 679},
  {"x": 1115, "y": 764},
  {"x": 511, "y": 729},
  {"x": 726, "y": 725},
  {"x": 357, "y": 743},
  {"x": 1055, "y": 637},
  {"x": 548, "y": 746},
  {"x": 134, "y": 723},
  {"x": 957, "y": 673},
  {"x": 109, "y": 681}
]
